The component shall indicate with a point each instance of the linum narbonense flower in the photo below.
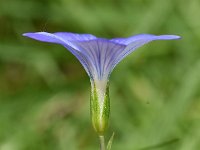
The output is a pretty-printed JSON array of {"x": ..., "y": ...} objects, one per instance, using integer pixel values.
[{"x": 99, "y": 56}]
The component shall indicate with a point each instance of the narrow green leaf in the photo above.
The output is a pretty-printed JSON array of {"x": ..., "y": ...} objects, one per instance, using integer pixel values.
[{"x": 110, "y": 141}]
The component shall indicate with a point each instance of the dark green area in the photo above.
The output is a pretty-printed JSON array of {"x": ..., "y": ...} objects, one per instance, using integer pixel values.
[{"x": 154, "y": 92}]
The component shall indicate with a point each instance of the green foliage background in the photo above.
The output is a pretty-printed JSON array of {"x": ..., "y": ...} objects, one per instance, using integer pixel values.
[{"x": 44, "y": 91}]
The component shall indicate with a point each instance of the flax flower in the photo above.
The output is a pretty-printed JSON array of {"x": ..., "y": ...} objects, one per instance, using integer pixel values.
[{"x": 98, "y": 56}]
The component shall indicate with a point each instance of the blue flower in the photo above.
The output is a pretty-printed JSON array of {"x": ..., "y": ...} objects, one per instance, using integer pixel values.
[{"x": 98, "y": 56}]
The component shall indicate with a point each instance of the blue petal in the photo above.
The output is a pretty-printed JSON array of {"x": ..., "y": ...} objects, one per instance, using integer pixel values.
[
  {"x": 137, "y": 37},
  {"x": 48, "y": 37},
  {"x": 64, "y": 39},
  {"x": 101, "y": 53},
  {"x": 59, "y": 37},
  {"x": 75, "y": 37},
  {"x": 137, "y": 41}
]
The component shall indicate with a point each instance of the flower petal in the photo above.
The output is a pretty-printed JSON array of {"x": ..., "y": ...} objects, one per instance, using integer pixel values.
[
  {"x": 137, "y": 41},
  {"x": 62, "y": 38},
  {"x": 101, "y": 53},
  {"x": 45, "y": 37},
  {"x": 49, "y": 37},
  {"x": 75, "y": 37},
  {"x": 137, "y": 37}
]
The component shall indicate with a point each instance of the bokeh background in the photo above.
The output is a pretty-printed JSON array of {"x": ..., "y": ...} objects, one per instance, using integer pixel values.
[{"x": 155, "y": 91}]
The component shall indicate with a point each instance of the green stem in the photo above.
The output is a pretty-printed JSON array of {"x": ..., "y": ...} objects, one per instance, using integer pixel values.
[{"x": 102, "y": 142}]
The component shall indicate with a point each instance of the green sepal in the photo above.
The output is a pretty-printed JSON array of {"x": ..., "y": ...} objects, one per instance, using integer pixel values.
[{"x": 100, "y": 109}]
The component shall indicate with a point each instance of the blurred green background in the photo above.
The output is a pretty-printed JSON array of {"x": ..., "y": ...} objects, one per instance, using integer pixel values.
[{"x": 44, "y": 91}]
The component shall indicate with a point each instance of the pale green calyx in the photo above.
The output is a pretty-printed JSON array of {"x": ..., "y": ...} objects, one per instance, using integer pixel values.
[{"x": 100, "y": 105}]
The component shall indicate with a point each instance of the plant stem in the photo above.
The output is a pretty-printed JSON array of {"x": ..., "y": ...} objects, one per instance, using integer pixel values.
[{"x": 102, "y": 142}]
